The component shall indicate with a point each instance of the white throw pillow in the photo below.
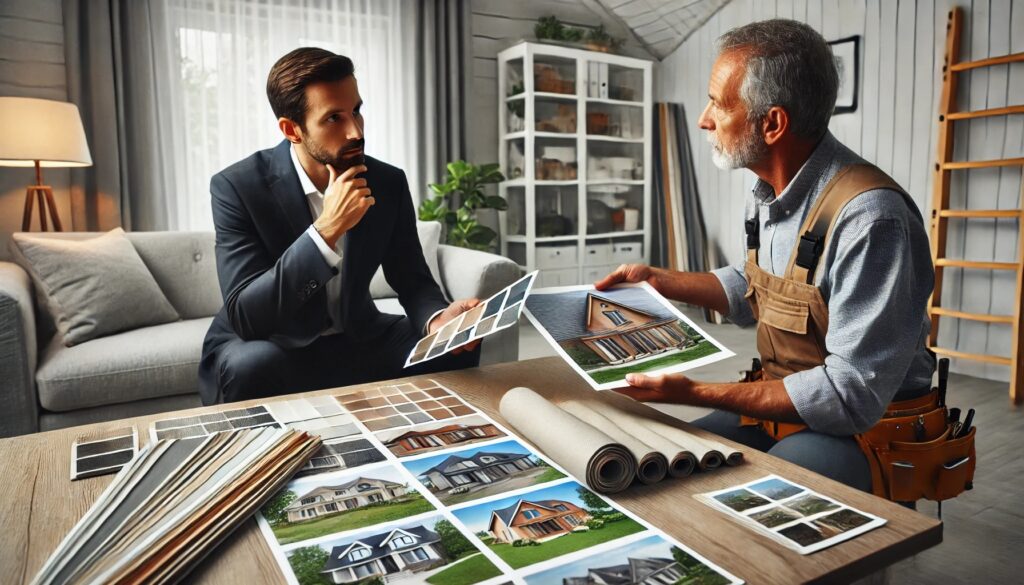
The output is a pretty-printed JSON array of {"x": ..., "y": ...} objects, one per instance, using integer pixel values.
[{"x": 430, "y": 237}]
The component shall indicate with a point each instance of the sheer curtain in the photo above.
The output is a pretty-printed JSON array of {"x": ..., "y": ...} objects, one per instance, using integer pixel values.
[{"x": 213, "y": 108}]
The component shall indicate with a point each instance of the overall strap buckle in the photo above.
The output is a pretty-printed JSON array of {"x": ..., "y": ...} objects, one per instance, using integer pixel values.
[{"x": 809, "y": 251}]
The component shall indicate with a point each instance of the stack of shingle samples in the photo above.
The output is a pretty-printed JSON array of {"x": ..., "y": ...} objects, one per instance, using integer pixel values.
[
  {"x": 173, "y": 503},
  {"x": 611, "y": 441}
]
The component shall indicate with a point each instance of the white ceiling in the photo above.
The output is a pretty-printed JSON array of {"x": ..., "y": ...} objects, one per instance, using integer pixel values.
[{"x": 660, "y": 26}]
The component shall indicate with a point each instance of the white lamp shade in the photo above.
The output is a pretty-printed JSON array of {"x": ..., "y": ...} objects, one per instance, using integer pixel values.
[{"x": 41, "y": 130}]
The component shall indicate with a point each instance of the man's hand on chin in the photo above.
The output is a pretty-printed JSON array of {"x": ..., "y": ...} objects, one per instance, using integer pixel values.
[{"x": 451, "y": 313}]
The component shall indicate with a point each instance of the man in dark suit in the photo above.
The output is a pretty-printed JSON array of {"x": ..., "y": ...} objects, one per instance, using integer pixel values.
[{"x": 301, "y": 230}]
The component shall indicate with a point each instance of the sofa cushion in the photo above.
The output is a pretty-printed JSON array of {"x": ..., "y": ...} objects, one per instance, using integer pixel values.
[
  {"x": 161, "y": 360},
  {"x": 93, "y": 287},
  {"x": 430, "y": 237},
  {"x": 185, "y": 266}
]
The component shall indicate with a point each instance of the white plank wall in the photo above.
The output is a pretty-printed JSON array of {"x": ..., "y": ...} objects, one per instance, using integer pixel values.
[
  {"x": 894, "y": 127},
  {"x": 498, "y": 24},
  {"x": 31, "y": 65}
]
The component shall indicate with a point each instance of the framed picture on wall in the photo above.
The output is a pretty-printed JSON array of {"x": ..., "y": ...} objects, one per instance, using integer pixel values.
[{"x": 847, "y": 55}]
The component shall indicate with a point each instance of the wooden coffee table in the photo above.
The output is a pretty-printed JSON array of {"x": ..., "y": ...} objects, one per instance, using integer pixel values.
[{"x": 41, "y": 504}]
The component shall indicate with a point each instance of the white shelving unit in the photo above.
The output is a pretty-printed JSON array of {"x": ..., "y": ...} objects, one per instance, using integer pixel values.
[{"x": 583, "y": 205}]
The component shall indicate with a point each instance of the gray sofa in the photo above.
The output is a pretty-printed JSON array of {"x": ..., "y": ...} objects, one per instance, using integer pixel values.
[{"x": 45, "y": 385}]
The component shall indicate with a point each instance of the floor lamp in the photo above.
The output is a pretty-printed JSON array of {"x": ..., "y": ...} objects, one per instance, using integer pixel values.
[{"x": 41, "y": 133}]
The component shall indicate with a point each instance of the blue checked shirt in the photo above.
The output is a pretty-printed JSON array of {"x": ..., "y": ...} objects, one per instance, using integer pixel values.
[{"x": 876, "y": 276}]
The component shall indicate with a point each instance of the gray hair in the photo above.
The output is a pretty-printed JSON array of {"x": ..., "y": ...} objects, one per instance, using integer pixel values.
[{"x": 788, "y": 64}]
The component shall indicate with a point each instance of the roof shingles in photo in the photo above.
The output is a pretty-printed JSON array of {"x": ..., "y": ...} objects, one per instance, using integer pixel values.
[{"x": 564, "y": 315}]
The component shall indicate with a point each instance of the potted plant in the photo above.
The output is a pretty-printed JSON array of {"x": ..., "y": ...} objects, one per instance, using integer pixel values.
[{"x": 458, "y": 201}]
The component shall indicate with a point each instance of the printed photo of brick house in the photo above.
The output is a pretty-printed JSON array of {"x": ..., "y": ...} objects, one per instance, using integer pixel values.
[
  {"x": 608, "y": 334},
  {"x": 544, "y": 523},
  {"x": 540, "y": 521},
  {"x": 438, "y": 435}
]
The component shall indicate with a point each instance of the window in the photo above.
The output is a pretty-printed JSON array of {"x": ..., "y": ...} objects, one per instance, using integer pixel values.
[
  {"x": 364, "y": 570},
  {"x": 358, "y": 553},
  {"x": 616, "y": 317},
  {"x": 415, "y": 555},
  {"x": 402, "y": 540},
  {"x": 375, "y": 498},
  {"x": 612, "y": 349},
  {"x": 561, "y": 507},
  {"x": 364, "y": 486},
  {"x": 332, "y": 507},
  {"x": 531, "y": 514},
  {"x": 212, "y": 100},
  {"x": 461, "y": 479},
  {"x": 488, "y": 459},
  {"x": 307, "y": 501}
]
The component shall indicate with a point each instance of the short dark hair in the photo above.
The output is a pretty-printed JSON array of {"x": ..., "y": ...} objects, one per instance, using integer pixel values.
[
  {"x": 789, "y": 64},
  {"x": 289, "y": 77}
]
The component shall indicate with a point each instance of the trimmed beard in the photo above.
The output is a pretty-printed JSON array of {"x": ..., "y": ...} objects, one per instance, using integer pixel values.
[
  {"x": 749, "y": 151},
  {"x": 338, "y": 160}
]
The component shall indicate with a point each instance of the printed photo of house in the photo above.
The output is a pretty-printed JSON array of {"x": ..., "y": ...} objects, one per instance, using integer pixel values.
[
  {"x": 545, "y": 523},
  {"x": 431, "y": 550},
  {"x": 607, "y": 334},
  {"x": 539, "y": 521},
  {"x": 649, "y": 561},
  {"x": 330, "y": 499},
  {"x": 477, "y": 472},
  {"x": 438, "y": 435},
  {"x": 340, "y": 502}
]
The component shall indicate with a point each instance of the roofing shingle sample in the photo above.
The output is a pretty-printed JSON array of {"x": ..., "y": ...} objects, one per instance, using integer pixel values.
[{"x": 564, "y": 315}]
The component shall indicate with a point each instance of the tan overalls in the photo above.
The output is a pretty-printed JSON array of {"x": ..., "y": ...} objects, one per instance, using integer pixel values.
[{"x": 792, "y": 322}]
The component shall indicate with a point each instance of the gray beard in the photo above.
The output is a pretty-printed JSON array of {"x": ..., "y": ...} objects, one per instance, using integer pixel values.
[{"x": 749, "y": 151}]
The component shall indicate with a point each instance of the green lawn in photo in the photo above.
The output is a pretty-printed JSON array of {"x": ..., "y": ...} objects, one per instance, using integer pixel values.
[
  {"x": 287, "y": 532},
  {"x": 704, "y": 348},
  {"x": 473, "y": 569},
  {"x": 741, "y": 499},
  {"x": 550, "y": 474},
  {"x": 521, "y": 556}
]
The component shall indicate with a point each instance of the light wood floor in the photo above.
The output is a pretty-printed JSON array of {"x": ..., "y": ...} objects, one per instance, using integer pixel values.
[{"x": 983, "y": 536}]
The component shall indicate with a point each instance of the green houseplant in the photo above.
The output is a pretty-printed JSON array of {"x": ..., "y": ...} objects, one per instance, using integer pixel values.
[{"x": 456, "y": 201}]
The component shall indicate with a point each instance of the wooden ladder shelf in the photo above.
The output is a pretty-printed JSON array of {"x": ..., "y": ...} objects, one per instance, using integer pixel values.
[{"x": 948, "y": 114}]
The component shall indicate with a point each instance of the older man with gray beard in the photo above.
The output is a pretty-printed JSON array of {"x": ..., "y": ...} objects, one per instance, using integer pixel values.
[{"x": 838, "y": 269}]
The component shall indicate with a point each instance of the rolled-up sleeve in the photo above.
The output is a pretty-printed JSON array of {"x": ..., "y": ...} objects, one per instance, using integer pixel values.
[
  {"x": 734, "y": 281},
  {"x": 877, "y": 297}
]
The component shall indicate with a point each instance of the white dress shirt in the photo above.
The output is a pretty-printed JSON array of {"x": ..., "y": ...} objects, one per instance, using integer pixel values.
[{"x": 315, "y": 199}]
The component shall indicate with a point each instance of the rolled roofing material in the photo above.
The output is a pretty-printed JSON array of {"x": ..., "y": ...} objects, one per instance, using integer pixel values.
[
  {"x": 652, "y": 464},
  {"x": 680, "y": 457},
  {"x": 584, "y": 451}
]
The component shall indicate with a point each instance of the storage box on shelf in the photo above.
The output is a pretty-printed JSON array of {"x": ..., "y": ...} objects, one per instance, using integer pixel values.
[{"x": 575, "y": 132}]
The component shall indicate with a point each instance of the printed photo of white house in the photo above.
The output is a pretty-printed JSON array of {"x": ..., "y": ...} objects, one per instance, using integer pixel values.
[
  {"x": 478, "y": 472},
  {"x": 335, "y": 503},
  {"x": 431, "y": 551},
  {"x": 607, "y": 334},
  {"x": 546, "y": 523},
  {"x": 438, "y": 435},
  {"x": 650, "y": 561}
]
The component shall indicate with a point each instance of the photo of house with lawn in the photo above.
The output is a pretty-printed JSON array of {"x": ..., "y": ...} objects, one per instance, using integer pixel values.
[
  {"x": 438, "y": 435},
  {"x": 546, "y": 523},
  {"x": 649, "y": 561},
  {"x": 617, "y": 331},
  {"x": 431, "y": 551},
  {"x": 478, "y": 472},
  {"x": 328, "y": 504}
]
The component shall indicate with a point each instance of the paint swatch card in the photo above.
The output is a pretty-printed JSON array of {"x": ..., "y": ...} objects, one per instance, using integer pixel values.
[
  {"x": 791, "y": 514},
  {"x": 103, "y": 453},
  {"x": 501, "y": 311},
  {"x": 629, "y": 328}
]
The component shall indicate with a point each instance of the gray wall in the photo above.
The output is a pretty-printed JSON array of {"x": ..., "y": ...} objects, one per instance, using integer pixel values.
[
  {"x": 31, "y": 65},
  {"x": 499, "y": 24},
  {"x": 895, "y": 127}
]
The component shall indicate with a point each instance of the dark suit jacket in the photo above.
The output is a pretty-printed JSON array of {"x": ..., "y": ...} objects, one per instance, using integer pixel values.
[{"x": 273, "y": 277}]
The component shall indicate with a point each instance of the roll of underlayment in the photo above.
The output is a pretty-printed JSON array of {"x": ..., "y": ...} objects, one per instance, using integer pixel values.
[
  {"x": 652, "y": 465},
  {"x": 606, "y": 465},
  {"x": 681, "y": 460}
]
